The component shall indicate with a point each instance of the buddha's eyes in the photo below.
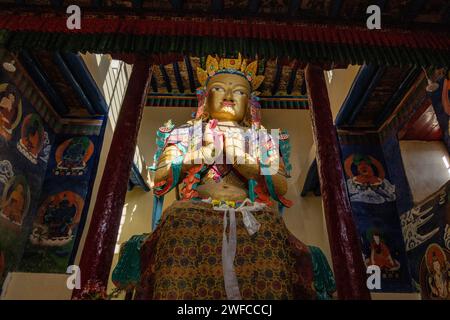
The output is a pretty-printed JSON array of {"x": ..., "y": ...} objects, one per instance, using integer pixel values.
[
  {"x": 217, "y": 89},
  {"x": 239, "y": 92}
]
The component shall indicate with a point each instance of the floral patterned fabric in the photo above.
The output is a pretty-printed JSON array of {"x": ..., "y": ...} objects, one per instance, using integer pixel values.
[{"x": 182, "y": 258}]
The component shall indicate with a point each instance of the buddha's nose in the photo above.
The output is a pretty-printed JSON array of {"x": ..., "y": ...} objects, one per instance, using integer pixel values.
[{"x": 229, "y": 95}]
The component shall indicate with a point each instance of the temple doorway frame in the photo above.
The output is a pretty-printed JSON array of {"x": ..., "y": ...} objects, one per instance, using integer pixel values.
[{"x": 313, "y": 44}]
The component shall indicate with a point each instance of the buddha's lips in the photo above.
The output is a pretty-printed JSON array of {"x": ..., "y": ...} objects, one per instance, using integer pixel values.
[{"x": 228, "y": 104}]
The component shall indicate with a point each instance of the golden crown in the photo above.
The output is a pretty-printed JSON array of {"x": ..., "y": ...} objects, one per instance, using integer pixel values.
[{"x": 236, "y": 66}]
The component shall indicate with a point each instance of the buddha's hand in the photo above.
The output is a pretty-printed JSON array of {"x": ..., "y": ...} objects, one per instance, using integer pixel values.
[
  {"x": 213, "y": 142},
  {"x": 211, "y": 149},
  {"x": 248, "y": 166},
  {"x": 213, "y": 135}
]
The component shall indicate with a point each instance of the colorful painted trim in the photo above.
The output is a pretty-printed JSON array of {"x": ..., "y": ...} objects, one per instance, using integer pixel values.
[
  {"x": 190, "y": 101},
  {"x": 198, "y": 36}
]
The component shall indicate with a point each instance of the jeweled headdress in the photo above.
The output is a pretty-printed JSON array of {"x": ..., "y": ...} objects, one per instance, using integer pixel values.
[
  {"x": 237, "y": 66},
  {"x": 234, "y": 66}
]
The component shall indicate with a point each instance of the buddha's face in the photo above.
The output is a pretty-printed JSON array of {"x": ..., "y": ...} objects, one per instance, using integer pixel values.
[{"x": 228, "y": 96}]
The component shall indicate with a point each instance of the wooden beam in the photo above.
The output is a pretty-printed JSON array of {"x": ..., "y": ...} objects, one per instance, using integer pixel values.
[
  {"x": 362, "y": 102},
  {"x": 187, "y": 61},
  {"x": 166, "y": 78},
  {"x": 276, "y": 81},
  {"x": 393, "y": 101},
  {"x": 43, "y": 83},
  {"x": 178, "y": 79}
]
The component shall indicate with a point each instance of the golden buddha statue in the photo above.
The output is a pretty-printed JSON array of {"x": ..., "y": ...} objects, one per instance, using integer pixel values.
[{"x": 223, "y": 239}]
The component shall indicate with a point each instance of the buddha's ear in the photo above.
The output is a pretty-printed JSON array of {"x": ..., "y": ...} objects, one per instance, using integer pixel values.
[{"x": 202, "y": 110}]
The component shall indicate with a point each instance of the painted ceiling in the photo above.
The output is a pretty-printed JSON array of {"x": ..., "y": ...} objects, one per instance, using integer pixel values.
[
  {"x": 175, "y": 84},
  {"x": 374, "y": 97},
  {"x": 66, "y": 82}
]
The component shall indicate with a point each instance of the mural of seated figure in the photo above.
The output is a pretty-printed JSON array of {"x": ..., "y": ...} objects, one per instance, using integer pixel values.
[
  {"x": 366, "y": 180},
  {"x": 435, "y": 273},
  {"x": 380, "y": 254},
  {"x": 57, "y": 217},
  {"x": 72, "y": 156},
  {"x": 10, "y": 109},
  {"x": 16, "y": 200},
  {"x": 32, "y": 138}
]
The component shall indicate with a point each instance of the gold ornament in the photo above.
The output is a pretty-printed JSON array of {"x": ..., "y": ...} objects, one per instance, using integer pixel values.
[{"x": 237, "y": 66}]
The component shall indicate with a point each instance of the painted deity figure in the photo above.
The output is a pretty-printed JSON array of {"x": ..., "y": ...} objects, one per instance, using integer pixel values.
[
  {"x": 32, "y": 137},
  {"x": 56, "y": 219},
  {"x": 10, "y": 109},
  {"x": 380, "y": 255},
  {"x": 438, "y": 275},
  {"x": 72, "y": 156},
  {"x": 59, "y": 217},
  {"x": 224, "y": 239},
  {"x": 15, "y": 202},
  {"x": 366, "y": 180}
]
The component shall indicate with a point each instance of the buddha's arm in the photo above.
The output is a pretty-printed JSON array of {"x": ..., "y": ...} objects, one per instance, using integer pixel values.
[
  {"x": 190, "y": 159},
  {"x": 165, "y": 163}
]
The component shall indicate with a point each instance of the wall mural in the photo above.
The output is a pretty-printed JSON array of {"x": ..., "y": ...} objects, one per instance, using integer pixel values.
[
  {"x": 372, "y": 197},
  {"x": 435, "y": 273},
  {"x": 379, "y": 253},
  {"x": 366, "y": 180},
  {"x": 32, "y": 138},
  {"x": 10, "y": 109},
  {"x": 72, "y": 156},
  {"x": 426, "y": 229},
  {"x": 56, "y": 219},
  {"x": 15, "y": 201},
  {"x": 62, "y": 208},
  {"x": 426, "y": 225},
  {"x": 45, "y": 185},
  {"x": 25, "y": 141}
]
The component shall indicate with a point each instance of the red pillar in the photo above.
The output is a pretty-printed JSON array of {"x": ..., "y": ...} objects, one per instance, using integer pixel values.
[
  {"x": 348, "y": 265},
  {"x": 98, "y": 251}
]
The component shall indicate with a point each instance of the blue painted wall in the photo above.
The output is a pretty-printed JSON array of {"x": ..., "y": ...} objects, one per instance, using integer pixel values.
[
  {"x": 50, "y": 186},
  {"x": 25, "y": 143},
  {"x": 393, "y": 156},
  {"x": 373, "y": 199},
  {"x": 63, "y": 205}
]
